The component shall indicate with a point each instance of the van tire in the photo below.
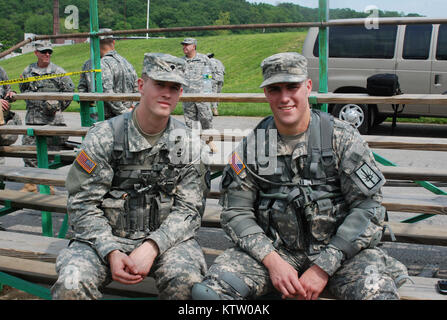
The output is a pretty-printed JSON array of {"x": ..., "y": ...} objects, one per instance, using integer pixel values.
[{"x": 359, "y": 114}]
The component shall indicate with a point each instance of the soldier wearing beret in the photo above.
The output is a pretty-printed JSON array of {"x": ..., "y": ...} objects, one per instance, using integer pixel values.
[
  {"x": 302, "y": 203},
  {"x": 135, "y": 196}
]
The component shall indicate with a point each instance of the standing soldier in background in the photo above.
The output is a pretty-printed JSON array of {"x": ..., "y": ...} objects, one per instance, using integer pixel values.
[
  {"x": 44, "y": 112},
  {"x": 7, "y": 117},
  {"x": 198, "y": 74},
  {"x": 118, "y": 76},
  {"x": 218, "y": 79}
]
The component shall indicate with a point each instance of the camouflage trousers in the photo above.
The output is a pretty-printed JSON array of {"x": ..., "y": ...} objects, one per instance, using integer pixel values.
[
  {"x": 198, "y": 112},
  {"x": 370, "y": 275},
  {"x": 217, "y": 88},
  {"x": 82, "y": 274},
  {"x": 53, "y": 144}
]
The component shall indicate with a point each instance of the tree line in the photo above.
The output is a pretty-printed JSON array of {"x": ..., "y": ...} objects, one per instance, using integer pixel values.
[{"x": 30, "y": 16}]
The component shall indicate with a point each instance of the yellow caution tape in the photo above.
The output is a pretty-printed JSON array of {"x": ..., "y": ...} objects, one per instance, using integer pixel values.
[{"x": 45, "y": 76}]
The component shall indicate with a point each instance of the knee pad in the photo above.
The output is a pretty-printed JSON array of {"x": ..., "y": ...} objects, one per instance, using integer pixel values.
[
  {"x": 203, "y": 292},
  {"x": 236, "y": 283}
]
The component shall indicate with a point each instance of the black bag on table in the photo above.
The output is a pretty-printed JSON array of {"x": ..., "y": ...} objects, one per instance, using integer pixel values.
[{"x": 383, "y": 84}]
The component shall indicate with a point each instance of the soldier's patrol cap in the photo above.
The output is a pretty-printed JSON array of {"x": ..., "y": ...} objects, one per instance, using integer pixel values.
[
  {"x": 164, "y": 67},
  {"x": 110, "y": 36},
  {"x": 41, "y": 46},
  {"x": 189, "y": 41},
  {"x": 284, "y": 67}
]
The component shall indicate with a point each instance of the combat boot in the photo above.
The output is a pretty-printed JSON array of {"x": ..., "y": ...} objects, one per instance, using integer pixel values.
[{"x": 29, "y": 187}]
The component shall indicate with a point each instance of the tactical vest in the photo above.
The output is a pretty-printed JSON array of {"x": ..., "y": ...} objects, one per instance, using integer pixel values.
[
  {"x": 141, "y": 195},
  {"x": 304, "y": 214}
]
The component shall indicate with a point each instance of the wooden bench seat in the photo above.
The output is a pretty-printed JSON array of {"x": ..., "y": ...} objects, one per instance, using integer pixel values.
[
  {"x": 378, "y": 142},
  {"x": 413, "y": 233},
  {"x": 34, "y": 256}
]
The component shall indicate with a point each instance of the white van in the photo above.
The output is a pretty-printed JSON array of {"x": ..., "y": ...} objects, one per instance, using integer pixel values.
[{"x": 416, "y": 53}]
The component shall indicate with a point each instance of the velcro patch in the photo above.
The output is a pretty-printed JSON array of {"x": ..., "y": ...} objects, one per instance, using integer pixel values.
[
  {"x": 85, "y": 162},
  {"x": 236, "y": 163},
  {"x": 368, "y": 176}
]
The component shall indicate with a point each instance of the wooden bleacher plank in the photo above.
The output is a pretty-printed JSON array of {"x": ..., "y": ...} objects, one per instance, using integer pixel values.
[
  {"x": 57, "y": 178},
  {"x": 66, "y": 156},
  {"x": 30, "y": 247},
  {"x": 35, "y": 201},
  {"x": 36, "y": 255},
  {"x": 417, "y": 233},
  {"x": 431, "y": 204},
  {"x": 330, "y": 97},
  {"x": 33, "y": 175},
  {"x": 45, "y": 130},
  {"x": 422, "y": 289}
]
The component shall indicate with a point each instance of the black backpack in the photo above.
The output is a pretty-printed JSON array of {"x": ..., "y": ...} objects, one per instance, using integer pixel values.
[{"x": 383, "y": 84}]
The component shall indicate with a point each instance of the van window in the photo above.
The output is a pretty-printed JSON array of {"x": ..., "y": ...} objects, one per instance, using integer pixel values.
[
  {"x": 441, "y": 52},
  {"x": 417, "y": 42},
  {"x": 359, "y": 42}
]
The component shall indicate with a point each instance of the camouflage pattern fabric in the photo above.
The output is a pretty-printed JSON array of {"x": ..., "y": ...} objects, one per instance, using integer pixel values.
[
  {"x": 197, "y": 111},
  {"x": 367, "y": 276},
  {"x": 259, "y": 228},
  {"x": 83, "y": 275},
  {"x": 49, "y": 111},
  {"x": 118, "y": 76},
  {"x": 4, "y": 89},
  {"x": 218, "y": 78},
  {"x": 89, "y": 182},
  {"x": 11, "y": 118}
]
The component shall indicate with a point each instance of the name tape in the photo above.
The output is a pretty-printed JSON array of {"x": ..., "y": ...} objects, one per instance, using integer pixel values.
[{"x": 44, "y": 77}]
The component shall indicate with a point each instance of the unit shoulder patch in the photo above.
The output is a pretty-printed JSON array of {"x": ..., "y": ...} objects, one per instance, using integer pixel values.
[
  {"x": 368, "y": 176},
  {"x": 85, "y": 162}
]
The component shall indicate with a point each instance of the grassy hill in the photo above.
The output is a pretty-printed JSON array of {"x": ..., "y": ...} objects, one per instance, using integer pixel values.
[{"x": 241, "y": 55}]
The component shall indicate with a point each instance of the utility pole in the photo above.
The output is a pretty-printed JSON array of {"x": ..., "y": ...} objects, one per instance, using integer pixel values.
[
  {"x": 56, "y": 19},
  {"x": 147, "y": 18}
]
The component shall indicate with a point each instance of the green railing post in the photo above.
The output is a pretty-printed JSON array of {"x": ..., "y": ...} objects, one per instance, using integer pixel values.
[
  {"x": 95, "y": 56},
  {"x": 323, "y": 42},
  {"x": 42, "y": 162}
]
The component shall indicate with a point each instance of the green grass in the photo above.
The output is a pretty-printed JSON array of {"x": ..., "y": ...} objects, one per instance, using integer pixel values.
[{"x": 241, "y": 55}]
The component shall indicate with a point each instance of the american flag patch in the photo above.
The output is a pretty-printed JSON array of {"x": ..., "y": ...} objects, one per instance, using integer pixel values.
[
  {"x": 236, "y": 163},
  {"x": 85, "y": 162}
]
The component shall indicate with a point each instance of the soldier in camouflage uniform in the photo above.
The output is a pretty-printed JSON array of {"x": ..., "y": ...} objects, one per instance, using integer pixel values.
[
  {"x": 44, "y": 112},
  {"x": 196, "y": 64},
  {"x": 304, "y": 209},
  {"x": 135, "y": 197},
  {"x": 9, "y": 117},
  {"x": 218, "y": 79},
  {"x": 118, "y": 76}
]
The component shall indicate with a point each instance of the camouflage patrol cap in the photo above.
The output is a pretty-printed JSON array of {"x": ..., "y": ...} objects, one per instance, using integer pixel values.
[
  {"x": 189, "y": 41},
  {"x": 164, "y": 67},
  {"x": 110, "y": 36},
  {"x": 284, "y": 67},
  {"x": 42, "y": 46}
]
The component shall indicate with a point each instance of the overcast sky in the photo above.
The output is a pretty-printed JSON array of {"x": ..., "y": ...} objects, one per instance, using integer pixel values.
[{"x": 429, "y": 8}]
